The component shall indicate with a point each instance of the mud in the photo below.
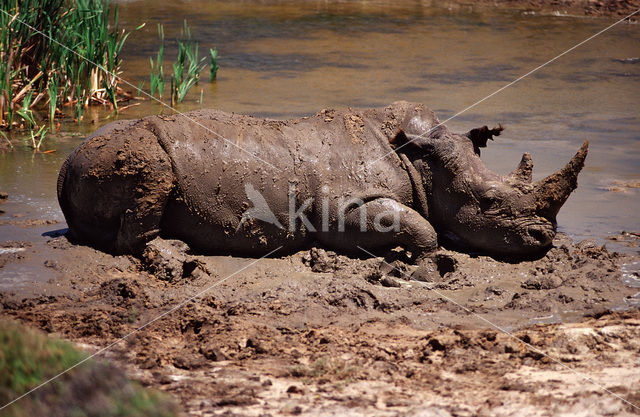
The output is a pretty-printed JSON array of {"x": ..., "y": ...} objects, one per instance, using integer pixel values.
[
  {"x": 318, "y": 333},
  {"x": 3, "y": 198},
  {"x": 629, "y": 239},
  {"x": 622, "y": 186},
  {"x": 567, "y": 7}
]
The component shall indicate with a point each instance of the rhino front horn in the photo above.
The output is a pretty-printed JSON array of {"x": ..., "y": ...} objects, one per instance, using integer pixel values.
[{"x": 552, "y": 192}]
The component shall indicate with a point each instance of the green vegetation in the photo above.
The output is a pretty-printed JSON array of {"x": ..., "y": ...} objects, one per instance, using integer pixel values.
[
  {"x": 4, "y": 136},
  {"x": 186, "y": 68},
  {"x": 59, "y": 56},
  {"x": 157, "y": 73},
  {"x": 28, "y": 358},
  {"x": 56, "y": 53},
  {"x": 213, "y": 68}
]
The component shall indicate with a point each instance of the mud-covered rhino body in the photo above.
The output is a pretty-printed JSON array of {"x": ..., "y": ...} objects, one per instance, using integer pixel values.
[{"x": 196, "y": 177}]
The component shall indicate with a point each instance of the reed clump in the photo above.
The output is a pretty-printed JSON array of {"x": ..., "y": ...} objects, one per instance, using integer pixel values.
[
  {"x": 186, "y": 68},
  {"x": 56, "y": 54},
  {"x": 57, "y": 57}
]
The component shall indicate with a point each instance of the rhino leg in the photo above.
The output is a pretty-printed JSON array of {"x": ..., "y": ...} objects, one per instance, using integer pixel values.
[
  {"x": 384, "y": 223},
  {"x": 113, "y": 189}
]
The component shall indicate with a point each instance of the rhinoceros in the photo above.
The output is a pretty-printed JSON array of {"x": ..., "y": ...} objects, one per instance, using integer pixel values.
[{"x": 373, "y": 179}]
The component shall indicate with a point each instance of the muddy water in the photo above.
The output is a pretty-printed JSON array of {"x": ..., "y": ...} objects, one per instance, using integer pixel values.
[{"x": 283, "y": 59}]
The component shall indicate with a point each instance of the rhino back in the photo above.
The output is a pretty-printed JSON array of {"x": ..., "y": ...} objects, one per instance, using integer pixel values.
[{"x": 324, "y": 156}]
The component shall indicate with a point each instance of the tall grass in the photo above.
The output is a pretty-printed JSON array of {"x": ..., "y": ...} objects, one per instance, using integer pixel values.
[{"x": 53, "y": 77}]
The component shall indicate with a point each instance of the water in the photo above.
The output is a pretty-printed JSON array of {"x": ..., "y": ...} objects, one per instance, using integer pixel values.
[
  {"x": 287, "y": 59},
  {"x": 631, "y": 274}
]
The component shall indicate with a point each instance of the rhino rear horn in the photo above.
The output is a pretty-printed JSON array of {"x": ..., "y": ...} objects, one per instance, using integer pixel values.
[
  {"x": 552, "y": 192},
  {"x": 524, "y": 171},
  {"x": 481, "y": 135}
]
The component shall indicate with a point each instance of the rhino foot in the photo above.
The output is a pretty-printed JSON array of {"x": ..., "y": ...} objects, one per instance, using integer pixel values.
[
  {"x": 435, "y": 268},
  {"x": 168, "y": 260}
]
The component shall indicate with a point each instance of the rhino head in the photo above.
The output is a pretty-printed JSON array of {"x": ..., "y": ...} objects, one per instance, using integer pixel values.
[{"x": 472, "y": 207}]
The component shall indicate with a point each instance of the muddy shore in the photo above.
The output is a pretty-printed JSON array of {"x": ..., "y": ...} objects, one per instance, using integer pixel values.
[
  {"x": 565, "y": 7},
  {"x": 316, "y": 333}
]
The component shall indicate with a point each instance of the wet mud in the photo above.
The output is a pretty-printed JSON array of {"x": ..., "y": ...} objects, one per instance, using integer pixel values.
[
  {"x": 319, "y": 333},
  {"x": 567, "y": 7}
]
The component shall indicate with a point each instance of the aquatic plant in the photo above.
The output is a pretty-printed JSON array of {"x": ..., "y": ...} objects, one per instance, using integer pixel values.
[
  {"x": 4, "y": 136},
  {"x": 157, "y": 73},
  {"x": 39, "y": 136},
  {"x": 52, "y": 92},
  {"x": 186, "y": 68},
  {"x": 213, "y": 69},
  {"x": 25, "y": 111},
  {"x": 57, "y": 53},
  {"x": 187, "y": 59}
]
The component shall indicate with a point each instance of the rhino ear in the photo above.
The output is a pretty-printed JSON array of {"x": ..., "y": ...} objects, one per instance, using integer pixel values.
[
  {"x": 400, "y": 139},
  {"x": 406, "y": 142},
  {"x": 481, "y": 135}
]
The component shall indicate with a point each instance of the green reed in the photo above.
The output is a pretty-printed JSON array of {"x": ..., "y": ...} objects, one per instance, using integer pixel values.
[
  {"x": 57, "y": 54},
  {"x": 213, "y": 67},
  {"x": 186, "y": 68},
  {"x": 157, "y": 73}
]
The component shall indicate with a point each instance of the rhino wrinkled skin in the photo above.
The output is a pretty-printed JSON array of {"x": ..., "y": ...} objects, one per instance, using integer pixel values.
[{"x": 166, "y": 175}]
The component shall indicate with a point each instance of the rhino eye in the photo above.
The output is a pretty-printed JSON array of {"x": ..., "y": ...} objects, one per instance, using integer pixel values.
[{"x": 487, "y": 203}]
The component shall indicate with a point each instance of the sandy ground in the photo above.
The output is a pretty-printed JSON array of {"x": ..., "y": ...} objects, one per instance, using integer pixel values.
[{"x": 316, "y": 333}]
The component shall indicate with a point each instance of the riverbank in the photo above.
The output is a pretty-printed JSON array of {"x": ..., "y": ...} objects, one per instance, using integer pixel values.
[
  {"x": 316, "y": 333},
  {"x": 567, "y": 7}
]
